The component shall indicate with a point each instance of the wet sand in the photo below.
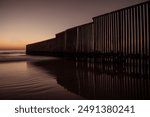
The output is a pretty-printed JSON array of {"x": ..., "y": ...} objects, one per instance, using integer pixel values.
[
  {"x": 19, "y": 79},
  {"x": 35, "y": 77}
]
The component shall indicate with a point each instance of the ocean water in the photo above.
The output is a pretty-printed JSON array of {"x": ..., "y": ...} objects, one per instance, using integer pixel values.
[
  {"x": 37, "y": 77},
  {"x": 20, "y": 79}
]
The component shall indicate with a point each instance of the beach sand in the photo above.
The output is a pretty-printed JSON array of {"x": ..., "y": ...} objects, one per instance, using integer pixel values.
[{"x": 38, "y": 77}]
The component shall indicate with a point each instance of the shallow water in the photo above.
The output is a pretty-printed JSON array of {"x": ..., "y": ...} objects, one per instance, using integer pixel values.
[
  {"x": 22, "y": 80},
  {"x": 36, "y": 77}
]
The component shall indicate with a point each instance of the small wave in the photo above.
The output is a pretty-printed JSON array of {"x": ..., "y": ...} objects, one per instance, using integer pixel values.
[
  {"x": 22, "y": 57},
  {"x": 12, "y": 51}
]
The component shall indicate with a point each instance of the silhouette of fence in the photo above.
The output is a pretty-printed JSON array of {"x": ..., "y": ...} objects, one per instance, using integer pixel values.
[{"x": 121, "y": 33}]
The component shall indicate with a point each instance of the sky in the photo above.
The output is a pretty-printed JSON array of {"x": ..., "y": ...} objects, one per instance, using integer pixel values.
[{"x": 27, "y": 21}]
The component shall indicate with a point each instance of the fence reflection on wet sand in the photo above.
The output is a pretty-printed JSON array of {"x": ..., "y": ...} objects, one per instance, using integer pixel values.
[{"x": 102, "y": 78}]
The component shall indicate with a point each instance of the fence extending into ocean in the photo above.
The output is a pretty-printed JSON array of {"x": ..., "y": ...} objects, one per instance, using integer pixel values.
[{"x": 122, "y": 33}]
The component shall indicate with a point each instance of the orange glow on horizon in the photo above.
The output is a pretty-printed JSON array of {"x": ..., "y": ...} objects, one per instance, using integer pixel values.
[
  {"x": 12, "y": 47},
  {"x": 8, "y": 44}
]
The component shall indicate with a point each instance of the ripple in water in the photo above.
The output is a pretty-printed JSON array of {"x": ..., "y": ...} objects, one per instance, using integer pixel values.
[{"x": 19, "y": 79}]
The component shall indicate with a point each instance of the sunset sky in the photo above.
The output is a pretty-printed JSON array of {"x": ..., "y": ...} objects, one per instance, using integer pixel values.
[{"x": 28, "y": 21}]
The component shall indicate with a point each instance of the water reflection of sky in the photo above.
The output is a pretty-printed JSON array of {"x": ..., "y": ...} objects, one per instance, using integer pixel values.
[{"x": 22, "y": 80}]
